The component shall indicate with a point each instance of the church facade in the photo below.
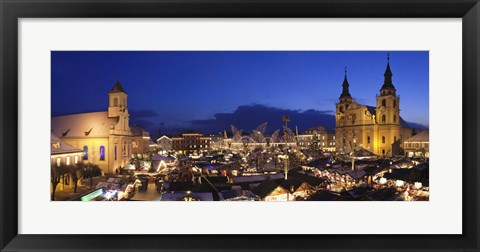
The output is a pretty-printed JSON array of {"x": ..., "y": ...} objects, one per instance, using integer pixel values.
[
  {"x": 379, "y": 129},
  {"x": 104, "y": 137}
]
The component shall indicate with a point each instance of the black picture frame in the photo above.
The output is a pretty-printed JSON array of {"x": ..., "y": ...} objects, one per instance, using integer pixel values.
[{"x": 11, "y": 11}]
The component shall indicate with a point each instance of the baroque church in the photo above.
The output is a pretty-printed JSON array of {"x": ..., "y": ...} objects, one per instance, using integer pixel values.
[
  {"x": 104, "y": 138},
  {"x": 379, "y": 129}
]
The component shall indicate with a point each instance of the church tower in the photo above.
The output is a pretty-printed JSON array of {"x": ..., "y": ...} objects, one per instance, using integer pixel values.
[
  {"x": 388, "y": 103},
  {"x": 345, "y": 97},
  {"x": 117, "y": 107}
]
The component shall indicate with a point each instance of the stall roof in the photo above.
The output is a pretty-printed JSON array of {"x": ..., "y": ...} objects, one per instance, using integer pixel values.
[
  {"x": 175, "y": 196},
  {"x": 322, "y": 196},
  {"x": 265, "y": 188}
]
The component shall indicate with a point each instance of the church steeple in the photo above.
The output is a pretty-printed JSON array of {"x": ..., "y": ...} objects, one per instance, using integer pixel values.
[
  {"x": 387, "y": 82},
  {"x": 345, "y": 86}
]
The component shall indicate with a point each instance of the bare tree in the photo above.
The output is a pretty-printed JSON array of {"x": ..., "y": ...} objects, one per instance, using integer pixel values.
[{"x": 56, "y": 174}]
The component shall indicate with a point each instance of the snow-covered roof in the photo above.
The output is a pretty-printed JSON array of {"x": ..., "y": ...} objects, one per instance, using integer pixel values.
[
  {"x": 164, "y": 136},
  {"x": 420, "y": 137},
  {"x": 94, "y": 124},
  {"x": 257, "y": 178},
  {"x": 58, "y": 146}
]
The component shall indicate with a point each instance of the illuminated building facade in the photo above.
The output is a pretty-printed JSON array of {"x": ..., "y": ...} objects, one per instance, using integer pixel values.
[
  {"x": 140, "y": 141},
  {"x": 418, "y": 145},
  {"x": 164, "y": 143},
  {"x": 324, "y": 139},
  {"x": 104, "y": 137},
  {"x": 378, "y": 129},
  {"x": 191, "y": 143}
]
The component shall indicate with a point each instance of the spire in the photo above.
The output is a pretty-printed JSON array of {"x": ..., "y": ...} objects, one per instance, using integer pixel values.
[
  {"x": 387, "y": 83},
  {"x": 117, "y": 88},
  {"x": 345, "y": 85}
]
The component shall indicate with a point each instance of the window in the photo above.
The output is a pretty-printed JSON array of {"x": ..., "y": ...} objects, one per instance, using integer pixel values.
[
  {"x": 75, "y": 159},
  {"x": 115, "y": 153},
  {"x": 102, "y": 152},
  {"x": 68, "y": 160},
  {"x": 59, "y": 161},
  {"x": 394, "y": 103},
  {"x": 394, "y": 118},
  {"x": 384, "y": 119},
  {"x": 85, "y": 152},
  {"x": 384, "y": 103},
  {"x": 383, "y": 139},
  {"x": 368, "y": 139},
  {"x": 383, "y": 152},
  {"x": 115, "y": 102},
  {"x": 341, "y": 109},
  {"x": 124, "y": 149}
]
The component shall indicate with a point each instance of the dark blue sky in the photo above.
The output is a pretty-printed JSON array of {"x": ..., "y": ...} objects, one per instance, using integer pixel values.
[{"x": 208, "y": 91}]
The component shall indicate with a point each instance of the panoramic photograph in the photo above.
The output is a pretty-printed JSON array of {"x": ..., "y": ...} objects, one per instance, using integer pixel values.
[{"x": 239, "y": 126}]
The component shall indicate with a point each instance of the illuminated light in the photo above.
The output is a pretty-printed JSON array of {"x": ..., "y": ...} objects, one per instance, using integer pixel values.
[
  {"x": 399, "y": 183},
  {"x": 92, "y": 195},
  {"x": 383, "y": 181},
  {"x": 417, "y": 185}
]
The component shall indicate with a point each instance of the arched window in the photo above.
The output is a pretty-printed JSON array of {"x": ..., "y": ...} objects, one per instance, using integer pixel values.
[
  {"x": 115, "y": 152},
  {"x": 383, "y": 139},
  {"x": 394, "y": 118},
  {"x": 384, "y": 103},
  {"x": 85, "y": 152},
  {"x": 394, "y": 103},
  {"x": 368, "y": 139},
  {"x": 341, "y": 108},
  {"x": 115, "y": 102},
  {"x": 383, "y": 119},
  {"x": 102, "y": 152},
  {"x": 383, "y": 152},
  {"x": 124, "y": 149}
]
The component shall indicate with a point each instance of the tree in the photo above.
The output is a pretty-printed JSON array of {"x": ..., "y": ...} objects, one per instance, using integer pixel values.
[
  {"x": 89, "y": 171},
  {"x": 56, "y": 173},
  {"x": 74, "y": 170}
]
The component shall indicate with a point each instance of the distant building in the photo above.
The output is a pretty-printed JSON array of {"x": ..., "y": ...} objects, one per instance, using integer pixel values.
[
  {"x": 140, "y": 141},
  {"x": 377, "y": 129},
  {"x": 418, "y": 145},
  {"x": 191, "y": 143},
  {"x": 320, "y": 135},
  {"x": 104, "y": 137},
  {"x": 164, "y": 143}
]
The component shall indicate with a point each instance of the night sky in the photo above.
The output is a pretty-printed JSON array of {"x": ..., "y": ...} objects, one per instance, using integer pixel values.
[{"x": 207, "y": 91}]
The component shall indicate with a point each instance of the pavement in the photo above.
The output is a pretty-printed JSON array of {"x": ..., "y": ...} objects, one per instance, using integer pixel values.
[{"x": 151, "y": 194}]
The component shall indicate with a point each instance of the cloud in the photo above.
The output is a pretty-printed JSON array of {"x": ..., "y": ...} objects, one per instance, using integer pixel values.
[{"x": 248, "y": 117}]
